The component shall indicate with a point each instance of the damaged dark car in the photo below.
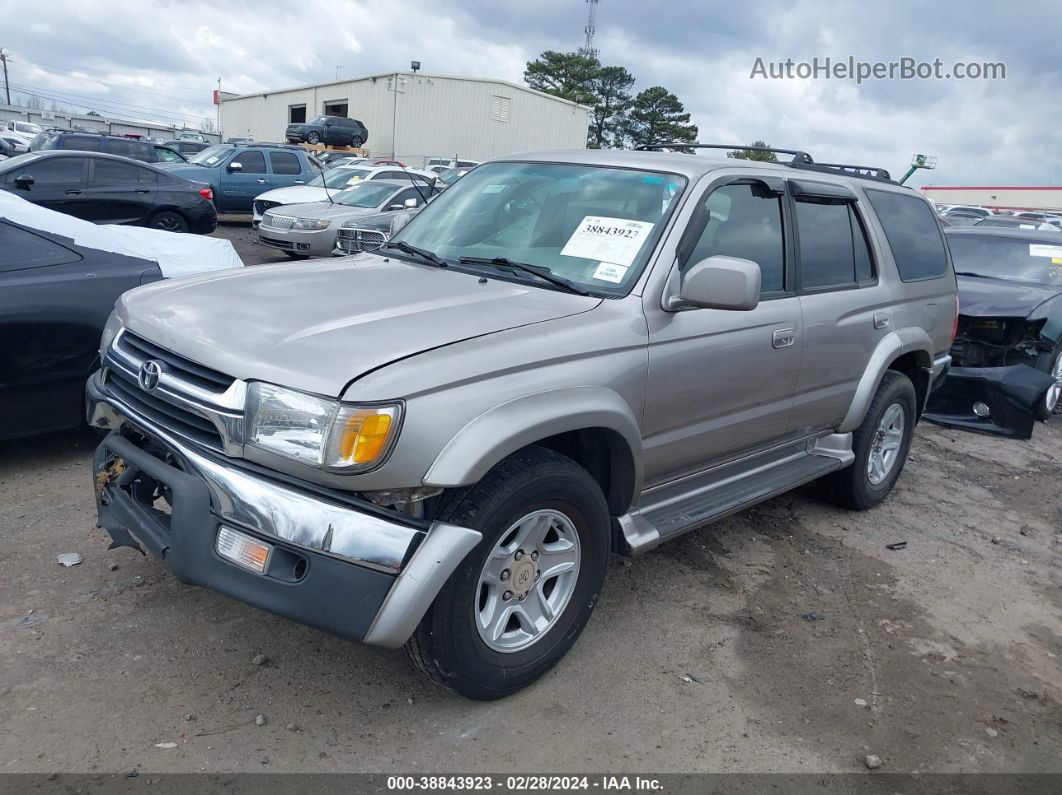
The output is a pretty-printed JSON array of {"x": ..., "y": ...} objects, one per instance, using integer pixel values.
[{"x": 1006, "y": 369}]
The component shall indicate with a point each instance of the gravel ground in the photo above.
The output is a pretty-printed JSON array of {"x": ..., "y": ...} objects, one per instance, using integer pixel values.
[{"x": 941, "y": 657}]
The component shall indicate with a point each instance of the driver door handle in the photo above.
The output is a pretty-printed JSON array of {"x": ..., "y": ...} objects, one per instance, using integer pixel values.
[
  {"x": 783, "y": 338},
  {"x": 262, "y": 181},
  {"x": 73, "y": 193}
]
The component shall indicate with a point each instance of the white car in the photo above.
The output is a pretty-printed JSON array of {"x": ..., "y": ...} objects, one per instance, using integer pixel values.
[
  {"x": 438, "y": 165},
  {"x": 331, "y": 182},
  {"x": 21, "y": 133}
]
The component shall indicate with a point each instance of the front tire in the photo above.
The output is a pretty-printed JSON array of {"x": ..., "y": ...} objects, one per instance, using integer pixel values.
[
  {"x": 519, "y": 600},
  {"x": 880, "y": 445},
  {"x": 313, "y": 138}
]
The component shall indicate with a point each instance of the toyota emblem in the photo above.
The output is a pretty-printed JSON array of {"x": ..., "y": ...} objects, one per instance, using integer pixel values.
[{"x": 148, "y": 377}]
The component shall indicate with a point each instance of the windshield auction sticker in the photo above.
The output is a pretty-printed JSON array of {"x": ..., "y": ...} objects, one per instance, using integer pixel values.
[
  {"x": 1037, "y": 250},
  {"x": 615, "y": 240}
]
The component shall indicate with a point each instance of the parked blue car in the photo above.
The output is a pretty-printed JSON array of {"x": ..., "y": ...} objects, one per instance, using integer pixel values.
[{"x": 238, "y": 173}]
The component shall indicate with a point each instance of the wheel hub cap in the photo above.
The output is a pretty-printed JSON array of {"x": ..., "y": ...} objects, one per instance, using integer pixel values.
[
  {"x": 885, "y": 448},
  {"x": 527, "y": 580},
  {"x": 1055, "y": 390}
]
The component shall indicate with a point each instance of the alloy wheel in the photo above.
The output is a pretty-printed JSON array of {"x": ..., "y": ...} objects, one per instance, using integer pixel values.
[
  {"x": 886, "y": 444},
  {"x": 527, "y": 580}
]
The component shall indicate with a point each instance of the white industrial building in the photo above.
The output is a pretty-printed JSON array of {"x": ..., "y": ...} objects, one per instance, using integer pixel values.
[{"x": 413, "y": 115}]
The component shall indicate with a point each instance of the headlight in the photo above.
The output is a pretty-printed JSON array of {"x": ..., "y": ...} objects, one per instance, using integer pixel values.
[
  {"x": 110, "y": 330},
  {"x": 322, "y": 433},
  {"x": 310, "y": 223}
]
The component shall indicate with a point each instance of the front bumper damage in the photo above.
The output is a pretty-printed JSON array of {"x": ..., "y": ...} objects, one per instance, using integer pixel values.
[
  {"x": 338, "y": 563},
  {"x": 1011, "y": 395}
]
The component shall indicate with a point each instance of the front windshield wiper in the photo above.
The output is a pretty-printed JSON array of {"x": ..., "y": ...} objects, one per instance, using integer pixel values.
[
  {"x": 543, "y": 273},
  {"x": 424, "y": 254}
]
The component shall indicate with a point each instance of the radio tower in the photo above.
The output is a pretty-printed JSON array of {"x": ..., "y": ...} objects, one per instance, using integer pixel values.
[{"x": 587, "y": 49}]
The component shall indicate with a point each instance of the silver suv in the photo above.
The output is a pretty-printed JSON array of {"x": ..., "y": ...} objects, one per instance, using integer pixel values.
[{"x": 564, "y": 355}]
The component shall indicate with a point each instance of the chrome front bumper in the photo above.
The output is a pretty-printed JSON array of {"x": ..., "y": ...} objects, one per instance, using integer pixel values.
[{"x": 346, "y": 543}]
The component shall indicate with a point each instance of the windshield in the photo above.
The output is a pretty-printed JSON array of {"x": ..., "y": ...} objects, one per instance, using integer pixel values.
[
  {"x": 210, "y": 156},
  {"x": 1006, "y": 258},
  {"x": 318, "y": 120},
  {"x": 451, "y": 175},
  {"x": 1010, "y": 223},
  {"x": 365, "y": 194},
  {"x": 28, "y": 127},
  {"x": 340, "y": 177},
  {"x": 594, "y": 226}
]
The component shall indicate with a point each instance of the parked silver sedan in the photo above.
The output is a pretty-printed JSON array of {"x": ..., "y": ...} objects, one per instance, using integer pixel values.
[{"x": 309, "y": 230}]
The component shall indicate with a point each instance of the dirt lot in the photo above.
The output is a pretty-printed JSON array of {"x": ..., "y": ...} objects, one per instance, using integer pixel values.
[{"x": 944, "y": 656}]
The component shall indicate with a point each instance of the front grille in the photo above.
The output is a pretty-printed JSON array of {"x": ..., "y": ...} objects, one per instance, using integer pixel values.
[
  {"x": 355, "y": 241},
  {"x": 162, "y": 412},
  {"x": 185, "y": 369},
  {"x": 261, "y": 205},
  {"x": 278, "y": 221}
]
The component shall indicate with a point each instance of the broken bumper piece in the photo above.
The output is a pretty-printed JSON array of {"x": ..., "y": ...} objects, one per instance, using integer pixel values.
[
  {"x": 1006, "y": 399},
  {"x": 323, "y": 559}
]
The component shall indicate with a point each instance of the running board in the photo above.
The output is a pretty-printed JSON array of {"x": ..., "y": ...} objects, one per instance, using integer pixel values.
[{"x": 678, "y": 507}]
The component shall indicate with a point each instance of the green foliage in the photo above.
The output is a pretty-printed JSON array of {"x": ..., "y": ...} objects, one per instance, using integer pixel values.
[
  {"x": 616, "y": 118},
  {"x": 563, "y": 74},
  {"x": 745, "y": 154},
  {"x": 656, "y": 115}
]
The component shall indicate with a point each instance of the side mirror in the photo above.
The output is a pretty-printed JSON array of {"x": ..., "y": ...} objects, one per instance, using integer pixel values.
[
  {"x": 410, "y": 203},
  {"x": 396, "y": 207},
  {"x": 235, "y": 168},
  {"x": 719, "y": 282},
  {"x": 23, "y": 181}
]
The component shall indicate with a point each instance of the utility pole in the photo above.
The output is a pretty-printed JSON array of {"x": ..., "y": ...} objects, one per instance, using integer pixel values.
[{"x": 7, "y": 88}]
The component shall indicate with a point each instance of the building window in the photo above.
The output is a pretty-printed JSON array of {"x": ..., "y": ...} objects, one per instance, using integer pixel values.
[
  {"x": 336, "y": 108},
  {"x": 500, "y": 108},
  {"x": 296, "y": 114}
]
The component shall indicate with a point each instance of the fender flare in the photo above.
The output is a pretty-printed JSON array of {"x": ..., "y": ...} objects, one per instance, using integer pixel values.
[
  {"x": 510, "y": 426},
  {"x": 892, "y": 346}
]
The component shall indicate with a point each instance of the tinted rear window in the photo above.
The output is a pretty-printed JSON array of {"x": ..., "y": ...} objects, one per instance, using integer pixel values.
[{"x": 913, "y": 234}]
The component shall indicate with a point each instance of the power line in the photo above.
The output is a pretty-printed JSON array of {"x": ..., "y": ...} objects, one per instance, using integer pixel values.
[
  {"x": 84, "y": 101},
  {"x": 188, "y": 94}
]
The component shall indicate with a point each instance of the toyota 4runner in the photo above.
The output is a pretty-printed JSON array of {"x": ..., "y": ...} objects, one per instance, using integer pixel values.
[{"x": 566, "y": 354}]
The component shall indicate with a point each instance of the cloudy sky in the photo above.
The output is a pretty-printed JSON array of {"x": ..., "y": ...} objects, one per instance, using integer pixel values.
[{"x": 160, "y": 59}]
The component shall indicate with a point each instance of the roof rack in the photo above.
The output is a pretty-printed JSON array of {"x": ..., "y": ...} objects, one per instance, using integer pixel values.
[{"x": 801, "y": 159}]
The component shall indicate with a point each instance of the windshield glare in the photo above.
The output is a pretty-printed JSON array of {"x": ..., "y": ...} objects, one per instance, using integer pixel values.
[
  {"x": 1008, "y": 259},
  {"x": 210, "y": 156},
  {"x": 365, "y": 194},
  {"x": 340, "y": 177},
  {"x": 594, "y": 226}
]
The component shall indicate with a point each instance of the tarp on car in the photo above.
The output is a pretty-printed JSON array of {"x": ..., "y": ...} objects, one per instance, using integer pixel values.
[{"x": 176, "y": 254}]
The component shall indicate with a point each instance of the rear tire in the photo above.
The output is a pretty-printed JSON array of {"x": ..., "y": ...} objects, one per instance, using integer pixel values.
[
  {"x": 357, "y": 141},
  {"x": 1051, "y": 363},
  {"x": 168, "y": 221},
  {"x": 518, "y": 601},
  {"x": 889, "y": 420}
]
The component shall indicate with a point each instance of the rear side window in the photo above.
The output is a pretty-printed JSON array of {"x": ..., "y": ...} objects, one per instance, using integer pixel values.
[
  {"x": 20, "y": 250},
  {"x": 833, "y": 246},
  {"x": 913, "y": 234},
  {"x": 115, "y": 173},
  {"x": 284, "y": 163},
  {"x": 84, "y": 143}
]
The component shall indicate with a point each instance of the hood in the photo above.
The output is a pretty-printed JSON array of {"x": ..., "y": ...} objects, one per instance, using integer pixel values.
[
  {"x": 318, "y": 325},
  {"x": 326, "y": 209},
  {"x": 984, "y": 297},
  {"x": 296, "y": 194}
]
